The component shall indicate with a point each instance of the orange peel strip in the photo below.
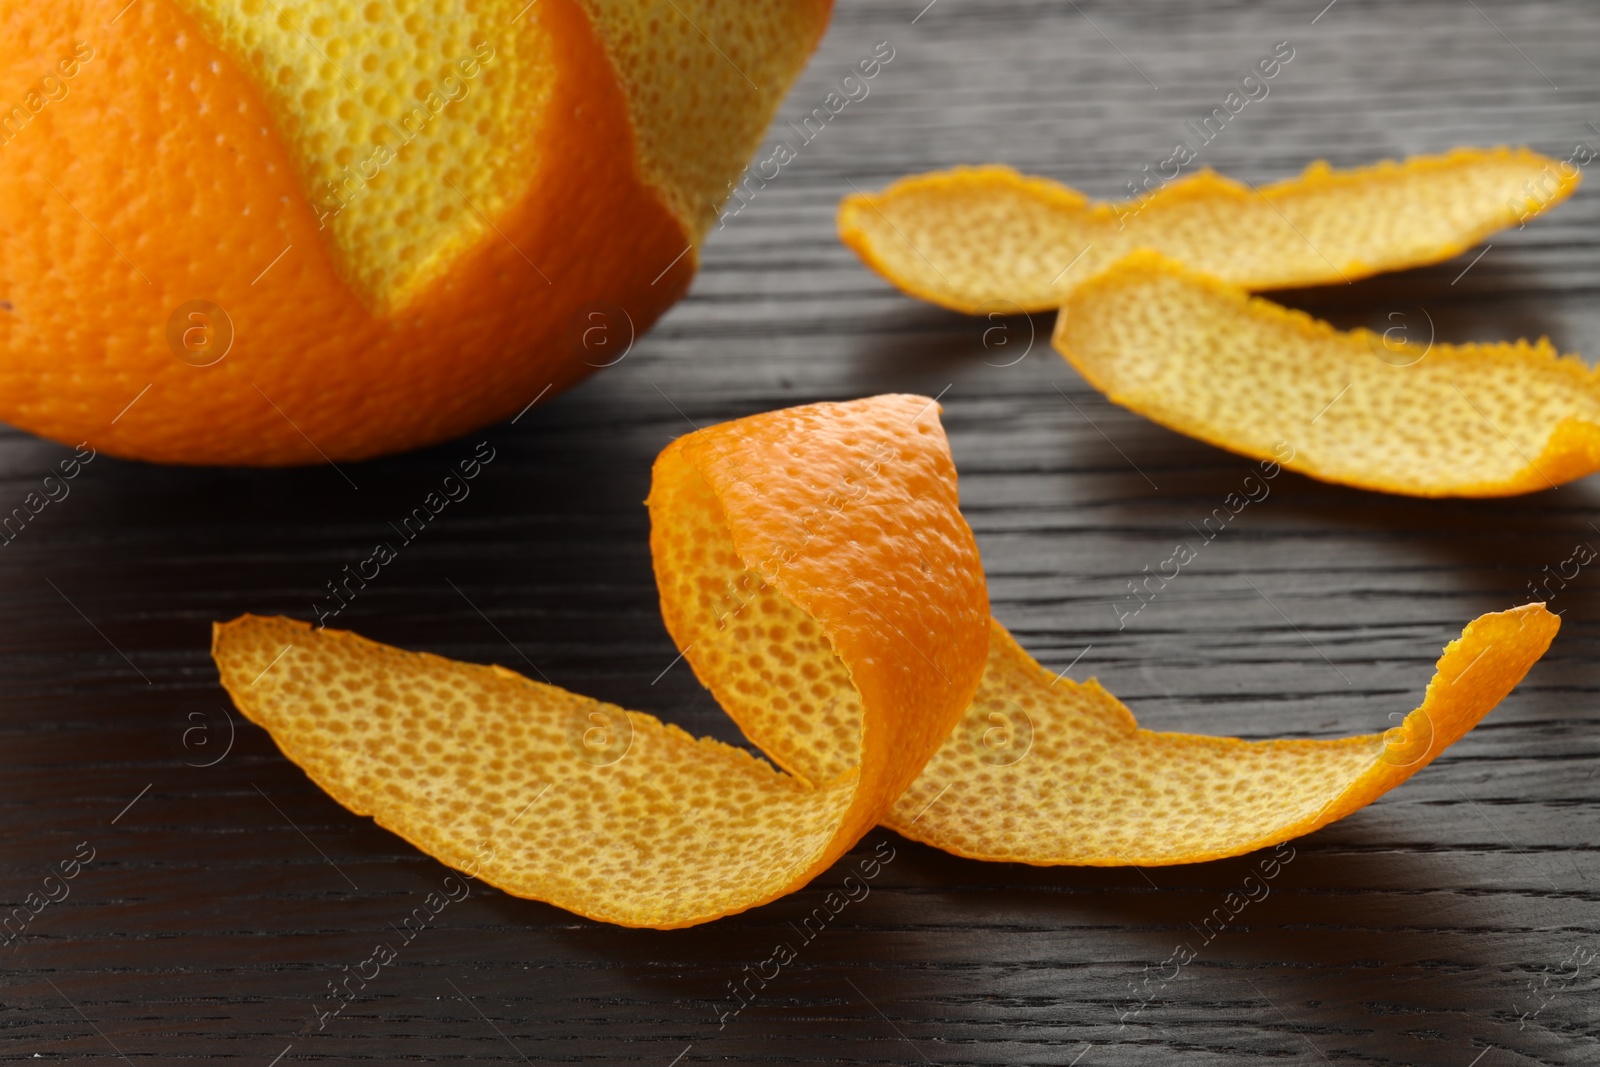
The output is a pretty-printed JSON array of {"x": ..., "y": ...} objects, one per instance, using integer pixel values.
[
  {"x": 1047, "y": 771},
  {"x": 1364, "y": 409},
  {"x": 987, "y": 239},
  {"x": 815, "y": 569},
  {"x": 812, "y": 560}
]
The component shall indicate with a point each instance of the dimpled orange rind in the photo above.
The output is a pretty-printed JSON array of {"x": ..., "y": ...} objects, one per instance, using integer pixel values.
[
  {"x": 620, "y": 817},
  {"x": 394, "y": 224},
  {"x": 817, "y": 575},
  {"x": 987, "y": 239},
  {"x": 1047, "y": 771},
  {"x": 1392, "y": 412}
]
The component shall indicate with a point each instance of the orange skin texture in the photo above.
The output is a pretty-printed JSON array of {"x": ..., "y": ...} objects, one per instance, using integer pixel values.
[
  {"x": 906, "y": 640},
  {"x": 1096, "y": 789},
  {"x": 856, "y": 651},
  {"x": 1264, "y": 358},
  {"x": 675, "y": 831},
  {"x": 993, "y": 222},
  {"x": 166, "y": 148}
]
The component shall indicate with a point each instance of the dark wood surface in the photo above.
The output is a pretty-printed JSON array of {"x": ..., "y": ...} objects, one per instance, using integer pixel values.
[{"x": 1454, "y": 922}]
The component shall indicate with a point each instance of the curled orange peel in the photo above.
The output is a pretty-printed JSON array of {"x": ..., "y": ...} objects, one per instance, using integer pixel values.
[
  {"x": 1394, "y": 411},
  {"x": 987, "y": 239},
  {"x": 816, "y": 571}
]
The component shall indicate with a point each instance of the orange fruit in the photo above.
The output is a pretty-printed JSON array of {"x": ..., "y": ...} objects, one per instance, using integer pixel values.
[
  {"x": 817, "y": 574},
  {"x": 288, "y": 231}
]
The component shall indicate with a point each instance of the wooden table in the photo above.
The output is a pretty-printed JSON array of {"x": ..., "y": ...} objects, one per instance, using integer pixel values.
[{"x": 1442, "y": 925}]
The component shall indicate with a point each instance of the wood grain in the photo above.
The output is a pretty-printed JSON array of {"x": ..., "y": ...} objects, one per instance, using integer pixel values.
[{"x": 219, "y": 904}]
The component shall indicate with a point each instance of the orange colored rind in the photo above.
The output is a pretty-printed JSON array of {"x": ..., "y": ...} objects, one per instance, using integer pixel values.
[
  {"x": 1376, "y": 411},
  {"x": 815, "y": 570},
  {"x": 799, "y": 584},
  {"x": 395, "y": 222},
  {"x": 1043, "y": 770},
  {"x": 981, "y": 239}
]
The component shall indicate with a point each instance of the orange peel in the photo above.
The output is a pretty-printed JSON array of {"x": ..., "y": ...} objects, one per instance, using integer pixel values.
[
  {"x": 816, "y": 571},
  {"x": 814, "y": 566},
  {"x": 980, "y": 239},
  {"x": 1364, "y": 409},
  {"x": 1046, "y": 771}
]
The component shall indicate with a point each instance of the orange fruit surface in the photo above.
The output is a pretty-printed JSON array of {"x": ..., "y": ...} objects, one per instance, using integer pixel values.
[
  {"x": 262, "y": 232},
  {"x": 816, "y": 572}
]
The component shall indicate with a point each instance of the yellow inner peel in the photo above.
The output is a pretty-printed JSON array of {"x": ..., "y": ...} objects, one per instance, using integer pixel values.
[
  {"x": 614, "y": 814},
  {"x": 816, "y": 573},
  {"x": 703, "y": 79},
  {"x": 412, "y": 122},
  {"x": 479, "y": 766},
  {"x": 980, "y": 239},
  {"x": 1360, "y": 408},
  {"x": 1044, "y": 770}
]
